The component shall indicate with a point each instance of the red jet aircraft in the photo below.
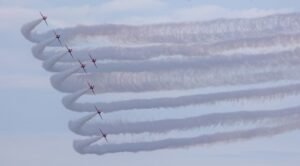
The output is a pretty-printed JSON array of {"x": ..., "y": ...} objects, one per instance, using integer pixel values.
[
  {"x": 103, "y": 135},
  {"x": 93, "y": 60},
  {"x": 57, "y": 36},
  {"x": 99, "y": 112},
  {"x": 44, "y": 18},
  {"x": 82, "y": 66},
  {"x": 70, "y": 51},
  {"x": 92, "y": 87}
]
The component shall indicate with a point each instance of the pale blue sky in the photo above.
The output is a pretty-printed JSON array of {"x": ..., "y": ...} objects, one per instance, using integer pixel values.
[{"x": 33, "y": 122}]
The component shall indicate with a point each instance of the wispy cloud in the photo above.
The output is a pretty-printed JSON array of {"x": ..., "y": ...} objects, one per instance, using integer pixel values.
[
  {"x": 204, "y": 13},
  {"x": 128, "y": 5},
  {"x": 207, "y": 12},
  {"x": 106, "y": 13},
  {"x": 15, "y": 16},
  {"x": 19, "y": 81}
]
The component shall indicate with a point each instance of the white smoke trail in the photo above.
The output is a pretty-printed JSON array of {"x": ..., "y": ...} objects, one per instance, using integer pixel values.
[
  {"x": 82, "y": 127},
  {"x": 147, "y": 52},
  {"x": 172, "y": 102},
  {"x": 218, "y": 63},
  {"x": 173, "y": 80},
  {"x": 203, "y": 32},
  {"x": 85, "y": 147},
  {"x": 26, "y": 30},
  {"x": 38, "y": 49}
]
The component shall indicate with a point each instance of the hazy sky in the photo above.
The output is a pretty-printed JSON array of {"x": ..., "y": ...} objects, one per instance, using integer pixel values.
[{"x": 33, "y": 122}]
